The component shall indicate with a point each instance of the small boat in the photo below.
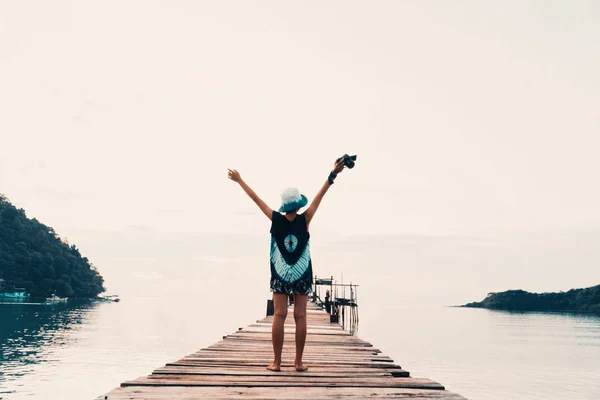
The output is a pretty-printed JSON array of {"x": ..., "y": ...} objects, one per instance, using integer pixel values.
[
  {"x": 16, "y": 294},
  {"x": 54, "y": 299},
  {"x": 113, "y": 298}
]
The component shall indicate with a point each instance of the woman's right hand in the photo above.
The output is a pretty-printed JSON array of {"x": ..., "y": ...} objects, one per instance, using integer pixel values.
[
  {"x": 339, "y": 166},
  {"x": 234, "y": 175}
]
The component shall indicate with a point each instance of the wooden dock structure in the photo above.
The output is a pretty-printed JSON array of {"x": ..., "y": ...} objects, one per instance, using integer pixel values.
[{"x": 341, "y": 366}]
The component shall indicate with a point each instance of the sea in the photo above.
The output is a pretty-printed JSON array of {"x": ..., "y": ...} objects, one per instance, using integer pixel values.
[{"x": 171, "y": 307}]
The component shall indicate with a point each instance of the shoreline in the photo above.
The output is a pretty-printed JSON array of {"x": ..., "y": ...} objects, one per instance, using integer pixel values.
[{"x": 544, "y": 311}]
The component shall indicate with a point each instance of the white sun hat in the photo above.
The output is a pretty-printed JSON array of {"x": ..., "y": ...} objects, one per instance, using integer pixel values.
[{"x": 291, "y": 199}]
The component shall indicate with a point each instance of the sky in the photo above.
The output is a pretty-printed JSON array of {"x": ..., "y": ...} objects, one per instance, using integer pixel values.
[{"x": 476, "y": 126}]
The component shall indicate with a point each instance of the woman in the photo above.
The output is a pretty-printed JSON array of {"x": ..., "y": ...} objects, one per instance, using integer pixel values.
[{"x": 291, "y": 266}]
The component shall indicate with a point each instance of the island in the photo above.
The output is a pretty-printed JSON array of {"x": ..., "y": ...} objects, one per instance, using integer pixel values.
[
  {"x": 35, "y": 261},
  {"x": 575, "y": 300}
]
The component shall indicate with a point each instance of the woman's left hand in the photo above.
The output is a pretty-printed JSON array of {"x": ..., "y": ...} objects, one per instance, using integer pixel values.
[{"x": 234, "y": 175}]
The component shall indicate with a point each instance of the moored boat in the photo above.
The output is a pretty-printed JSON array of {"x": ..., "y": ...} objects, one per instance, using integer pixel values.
[
  {"x": 16, "y": 294},
  {"x": 113, "y": 298},
  {"x": 54, "y": 299}
]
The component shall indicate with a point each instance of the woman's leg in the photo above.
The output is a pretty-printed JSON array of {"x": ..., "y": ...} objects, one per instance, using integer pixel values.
[
  {"x": 300, "y": 301},
  {"x": 280, "y": 304}
]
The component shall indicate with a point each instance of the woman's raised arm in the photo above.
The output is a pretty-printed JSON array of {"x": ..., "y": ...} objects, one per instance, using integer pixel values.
[
  {"x": 236, "y": 177},
  {"x": 314, "y": 205}
]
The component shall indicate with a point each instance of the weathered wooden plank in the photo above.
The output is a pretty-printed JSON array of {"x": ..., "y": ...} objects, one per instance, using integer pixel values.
[
  {"x": 237, "y": 393},
  {"x": 286, "y": 362},
  {"x": 385, "y": 380},
  {"x": 260, "y": 355},
  {"x": 290, "y": 347},
  {"x": 264, "y": 372},
  {"x": 313, "y": 325},
  {"x": 309, "y": 340},
  {"x": 261, "y": 371},
  {"x": 337, "y": 346},
  {"x": 155, "y": 380},
  {"x": 393, "y": 369},
  {"x": 290, "y": 323},
  {"x": 292, "y": 331},
  {"x": 290, "y": 336},
  {"x": 319, "y": 349},
  {"x": 332, "y": 348},
  {"x": 314, "y": 351},
  {"x": 290, "y": 339},
  {"x": 310, "y": 359}
]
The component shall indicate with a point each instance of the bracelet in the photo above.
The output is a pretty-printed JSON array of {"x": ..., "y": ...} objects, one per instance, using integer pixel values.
[{"x": 332, "y": 176}]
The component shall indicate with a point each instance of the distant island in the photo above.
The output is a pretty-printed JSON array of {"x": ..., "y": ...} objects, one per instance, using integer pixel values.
[
  {"x": 34, "y": 258},
  {"x": 575, "y": 300}
]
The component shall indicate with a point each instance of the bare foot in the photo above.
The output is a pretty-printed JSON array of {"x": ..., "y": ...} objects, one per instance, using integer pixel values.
[
  {"x": 274, "y": 367},
  {"x": 301, "y": 368}
]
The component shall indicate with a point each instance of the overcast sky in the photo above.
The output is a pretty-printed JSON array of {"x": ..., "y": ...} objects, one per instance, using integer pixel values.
[{"x": 470, "y": 119}]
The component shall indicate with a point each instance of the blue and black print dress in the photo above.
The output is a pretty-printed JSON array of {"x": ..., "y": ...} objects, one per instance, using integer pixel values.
[{"x": 291, "y": 267}]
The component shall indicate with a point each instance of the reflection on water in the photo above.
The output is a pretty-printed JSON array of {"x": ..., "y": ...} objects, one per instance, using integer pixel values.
[
  {"x": 31, "y": 334},
  {"x": 495, "y": 355},
  {"x": 82, "y": 351}
]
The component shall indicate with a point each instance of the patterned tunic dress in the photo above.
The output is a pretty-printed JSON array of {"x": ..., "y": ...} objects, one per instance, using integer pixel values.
[{"x": 291, "y": 266}]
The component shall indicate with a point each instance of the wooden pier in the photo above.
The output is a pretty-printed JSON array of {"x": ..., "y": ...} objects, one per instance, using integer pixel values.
[{"x": 341, "y": 366}]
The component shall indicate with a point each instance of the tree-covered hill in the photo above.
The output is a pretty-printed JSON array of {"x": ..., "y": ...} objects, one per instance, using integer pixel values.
[
  {"x": 32, "y": 256},
  {"x": 579, "y": 300}
]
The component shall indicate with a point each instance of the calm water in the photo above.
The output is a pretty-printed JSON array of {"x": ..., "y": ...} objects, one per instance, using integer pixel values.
[{"x": 82, "y": 351}]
